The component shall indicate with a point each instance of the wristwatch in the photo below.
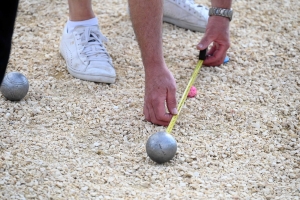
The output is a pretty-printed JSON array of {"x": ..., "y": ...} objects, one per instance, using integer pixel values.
[{"x": 221, "y": 12}]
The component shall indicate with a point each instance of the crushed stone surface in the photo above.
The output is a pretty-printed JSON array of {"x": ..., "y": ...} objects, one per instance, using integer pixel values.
[{"x": 73, "y": 139}]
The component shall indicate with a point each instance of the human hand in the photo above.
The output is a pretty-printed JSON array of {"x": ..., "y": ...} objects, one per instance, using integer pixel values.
[
  {"x": 217, "y": 31},
  {"x": 160, "y": 89}
]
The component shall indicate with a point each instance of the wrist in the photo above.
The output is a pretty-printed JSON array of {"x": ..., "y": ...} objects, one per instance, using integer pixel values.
[
  {"x": 153, "y": 71},
  {"x": 155, "y": 64},
  {"x": 226, "y": 4}
]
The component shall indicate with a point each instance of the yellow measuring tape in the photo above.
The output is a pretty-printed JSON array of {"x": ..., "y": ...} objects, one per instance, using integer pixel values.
[{"x": 184, "y": 96}]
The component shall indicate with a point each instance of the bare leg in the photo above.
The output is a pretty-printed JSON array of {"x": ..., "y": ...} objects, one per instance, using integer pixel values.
[{"x": 80, "y": 10}]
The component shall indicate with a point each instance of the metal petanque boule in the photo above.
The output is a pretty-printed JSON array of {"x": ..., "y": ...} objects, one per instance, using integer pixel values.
[
  {"x": 161, "y": 147},
  {"x": 14, "y": 86}
]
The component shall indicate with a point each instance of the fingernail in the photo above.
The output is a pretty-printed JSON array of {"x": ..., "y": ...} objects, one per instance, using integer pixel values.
[
  {"x": 174, "y": 111},
  {"x": 200, "y": 46}
]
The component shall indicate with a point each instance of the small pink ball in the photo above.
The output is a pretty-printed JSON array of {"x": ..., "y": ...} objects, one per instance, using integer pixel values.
[{"x": 193, "y": 92}]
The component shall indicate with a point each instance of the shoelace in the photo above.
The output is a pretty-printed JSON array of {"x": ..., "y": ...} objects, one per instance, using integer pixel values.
[{"x": 93, "y": 48}]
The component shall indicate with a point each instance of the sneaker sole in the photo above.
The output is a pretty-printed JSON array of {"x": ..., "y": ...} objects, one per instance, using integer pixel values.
[
  {"x": 183, "y": 24},
  {"x": 92, "y": 78}
]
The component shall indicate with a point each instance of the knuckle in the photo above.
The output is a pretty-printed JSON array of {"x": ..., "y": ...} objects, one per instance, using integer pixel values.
[
  {"x": 159, "y": 117},
  {"x": 172, "y": 88},
  {"x": 162, "y": 117}
]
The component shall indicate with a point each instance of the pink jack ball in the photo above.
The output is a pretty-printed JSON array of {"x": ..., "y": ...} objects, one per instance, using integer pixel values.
[{"x": 193, "y": 92}]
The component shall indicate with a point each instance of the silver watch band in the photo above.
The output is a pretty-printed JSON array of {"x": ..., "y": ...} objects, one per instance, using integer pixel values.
[{"x": 221, "y": 12}]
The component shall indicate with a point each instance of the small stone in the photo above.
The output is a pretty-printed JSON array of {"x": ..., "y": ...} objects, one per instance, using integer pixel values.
[{"x": 85, "y": 188}]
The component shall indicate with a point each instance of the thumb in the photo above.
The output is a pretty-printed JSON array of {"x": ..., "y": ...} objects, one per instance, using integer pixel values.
[
  {"x": 204, "y": 43},
  {"x": 171, "y": 101}
]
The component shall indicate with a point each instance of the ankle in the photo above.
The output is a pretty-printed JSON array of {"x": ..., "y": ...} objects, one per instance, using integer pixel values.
[{"x": 80, "y": 10}]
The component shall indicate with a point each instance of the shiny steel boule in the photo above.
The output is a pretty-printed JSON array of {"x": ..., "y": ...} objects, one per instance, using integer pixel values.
[
  {"x": 161, "y": 147},
  {"x": 14, "y": 86}
]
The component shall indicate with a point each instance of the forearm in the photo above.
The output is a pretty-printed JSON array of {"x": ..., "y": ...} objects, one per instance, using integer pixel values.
[
  {"x": 146, "y": 17},
  {"x": 221, "y": 3}
]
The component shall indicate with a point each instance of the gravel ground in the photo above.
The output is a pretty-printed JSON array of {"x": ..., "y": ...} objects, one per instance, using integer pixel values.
[{"x": 73, "y": 139}]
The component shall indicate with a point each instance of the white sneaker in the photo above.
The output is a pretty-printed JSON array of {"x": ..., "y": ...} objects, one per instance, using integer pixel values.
[
  {"x": 186, "y": 14},
  {"x": 86, "y": 56}
]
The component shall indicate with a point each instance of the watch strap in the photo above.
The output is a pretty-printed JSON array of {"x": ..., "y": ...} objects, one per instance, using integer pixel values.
[{"x": 221, "y": 12}]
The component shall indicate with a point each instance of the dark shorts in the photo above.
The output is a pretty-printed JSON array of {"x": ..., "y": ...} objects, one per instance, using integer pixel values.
[{"x": 8, "y": 12}]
